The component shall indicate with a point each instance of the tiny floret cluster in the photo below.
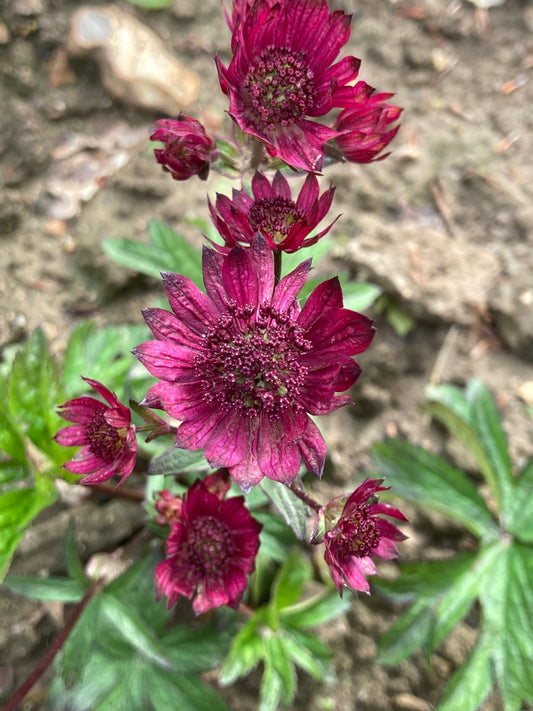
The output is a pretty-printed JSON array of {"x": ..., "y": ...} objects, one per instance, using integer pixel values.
[{"x": 243, "y": 367}]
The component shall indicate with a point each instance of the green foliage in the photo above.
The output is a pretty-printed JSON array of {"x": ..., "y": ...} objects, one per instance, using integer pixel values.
[
  {"x": 498, "y": 576},
  {"x": 277, "y": 636},
  {"x": 167, "y": 252},
  {"x": 30, "y": 460},
  {"x": 122, "y": 652}
]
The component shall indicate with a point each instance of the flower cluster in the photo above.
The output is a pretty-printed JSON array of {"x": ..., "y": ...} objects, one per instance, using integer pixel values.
[
  {"x": 243, "y": 367},
  {"x": 284, "y": 75}
]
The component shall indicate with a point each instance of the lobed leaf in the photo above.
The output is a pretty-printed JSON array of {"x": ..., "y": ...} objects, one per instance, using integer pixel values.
[
  {"x": 429, "y": 480},
  {"x": 474, "y": 420}
]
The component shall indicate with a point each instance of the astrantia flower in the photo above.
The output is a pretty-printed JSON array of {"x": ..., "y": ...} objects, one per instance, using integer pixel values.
[
  {"x": 187, "y": 150},
  {"x": 281, "y": 76},
  {"x": 243, "y": 366},
  {"x": 364, "y": 124},
  {"x": 272, "y": 211},
  {"x": 105, "y": 433},
  {"x": 359, "y": 534},
  {"x": 210, "y": 551}
]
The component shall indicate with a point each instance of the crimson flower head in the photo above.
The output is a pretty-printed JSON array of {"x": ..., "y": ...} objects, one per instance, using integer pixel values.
[
  {"x": 358, "y": 535},
  {"x": 282, "y": 76},
  {"x": 272, "y": 211},
  {"x": 187, "y": 149},
  {"x": 364, "y": 124},
  {"x": 210, "y": 551},
  {"x": 104, "y": 432},
  {"x": 243, "y": 366}
]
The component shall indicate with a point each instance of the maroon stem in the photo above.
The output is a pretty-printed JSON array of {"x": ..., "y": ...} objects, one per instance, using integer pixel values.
[
  {"x": 118, "y": 493},
  {"x": 12, "y": 703},
  {"x": 304, "y": 496}
]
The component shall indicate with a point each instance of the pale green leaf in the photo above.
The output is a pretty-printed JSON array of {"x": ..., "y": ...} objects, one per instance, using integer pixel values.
[
  {"x": 292, "y": 508},
  {"x": 429, "y": 480}
]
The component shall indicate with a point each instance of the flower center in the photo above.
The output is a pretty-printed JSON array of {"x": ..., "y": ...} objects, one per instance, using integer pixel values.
[
  {"x": 278, "y": 88},
  {"x": 252, "y": 365},
  {"x": 209, "y": 545},
  {"x": 360, "y": 532},
  {"x": 274, "y": 216},
  {"x": 104, "y": 440}
]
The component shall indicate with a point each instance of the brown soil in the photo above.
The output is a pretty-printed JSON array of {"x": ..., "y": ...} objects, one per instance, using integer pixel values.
[{"x": 444, "y": 226}]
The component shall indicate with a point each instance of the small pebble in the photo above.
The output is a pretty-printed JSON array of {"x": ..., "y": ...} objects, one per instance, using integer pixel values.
[{"x": 409, "y": 702}]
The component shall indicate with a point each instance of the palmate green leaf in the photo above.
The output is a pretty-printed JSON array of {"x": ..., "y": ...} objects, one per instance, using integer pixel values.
[
  {"x": 442, "y": 592},
  {"x": 424, "y": 579},
  {"x": 180, "y": 691},
  {"x": 292, "y": 508},
  {"x": 429, "y": 480},
  {"x": 168, "y": 252},
  {"x": 134, "y": 630},
  {"x": 117, "y": 651},
  {"x": 11, "y": 438},
  {"x": 194, "y": 653},
  {"x": 309, "y": 653},
  {"x": 500, "y": 578},
  {"x": 80, "y": 645},
  {"x": 474, "y": 420}
]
